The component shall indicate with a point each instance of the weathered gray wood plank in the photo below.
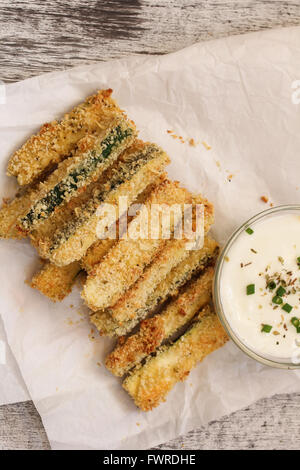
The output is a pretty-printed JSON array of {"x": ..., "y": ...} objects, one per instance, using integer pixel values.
[
  {"x": 269, "y": 424},
  {"x": 272, "y": 423},
  {"x": 38, "y": 36}
]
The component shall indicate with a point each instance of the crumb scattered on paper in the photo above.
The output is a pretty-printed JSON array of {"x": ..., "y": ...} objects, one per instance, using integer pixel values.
[
  {"x": 92, "y": 335},
  {"x": 72, "y": 322},
  {"x": 208, "y": 147},
  {"x": 190, "y": 140},
  {"x": 264, "y": 199}
]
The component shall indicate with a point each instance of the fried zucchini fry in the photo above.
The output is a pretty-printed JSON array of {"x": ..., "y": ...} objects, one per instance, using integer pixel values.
[
  {"x": 127, "y": 259},
  {"x": 150, "y": 384},
  {"x": 173, "y": 253},
  {"x": 94, "y": 155},
  {"x": 56, "y": 140},
  {"x": 97, "y": 251},
  {"x": 56, "y": 282},
  {"x": 155, "y": 330},
  {"x": 134, "y": 298},
  {"x": 196, "y": 262},
  {"x": 10, "y": 214},
  {"x": 42, "y": 237},
  {"x": 130, "y": 179}
]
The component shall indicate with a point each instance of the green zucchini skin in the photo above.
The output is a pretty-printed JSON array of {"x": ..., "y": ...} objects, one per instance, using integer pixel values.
[
  {"x": 124, "y": 172},
  {"x": 77, "y": 177}
]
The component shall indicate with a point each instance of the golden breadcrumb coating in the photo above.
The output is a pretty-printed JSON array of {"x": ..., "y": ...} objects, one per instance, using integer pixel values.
[
  {"x": 153, "y": 331},
  {"x": 42, "y": 237},
  {"x": 195, "y": 263},
  {"x": 10, "y": 214},
  {"x": 126, "y": 261},
  {"x": 136, "y": 297},
  {"x": 56, "y": 140},
  {"x": 142, "y": 168},
  {"x": 56, "y": 282},
  {"x": 150, "y": 384},
  {"x": 95, "y": 153},
  {"x": 97, "y": 251},
  {"x": 13, "y": 210},
  {"x": 173, "y": 253}
]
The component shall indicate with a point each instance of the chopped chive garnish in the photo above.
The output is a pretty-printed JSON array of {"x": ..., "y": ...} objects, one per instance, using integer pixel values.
[
  {"x": 266, "y": 328},
  {"x": 277, "y": 300},
  {"x": 296, "y": 322},
  {"x": 250, "y": 231},
  {"x": 250, "y": 289},
  {"x": 280, "y": 291},
  {"x": 287, "y": 308},
  {"x": 298, "y": 260},
  {"x": 272, "y": 285}
]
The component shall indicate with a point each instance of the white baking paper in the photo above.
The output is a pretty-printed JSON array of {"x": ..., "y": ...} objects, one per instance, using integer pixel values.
[
  {"x": 13, "y": 388},
  {"x": 236, "y": 96}
]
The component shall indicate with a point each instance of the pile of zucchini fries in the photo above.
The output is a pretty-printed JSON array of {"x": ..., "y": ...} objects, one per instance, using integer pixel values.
[{"x": 152, "y": 294}]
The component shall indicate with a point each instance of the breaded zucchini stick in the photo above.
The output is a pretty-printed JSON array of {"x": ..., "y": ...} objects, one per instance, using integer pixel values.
[
  {"x": 150, "y": 384},
  {"x": 56, "y": 140},
  {"x": 173, "y": 253},
  {"x": 153, "y": 331},
  {"x": 127, "y": 259},
  {"x": 56, "y": 282},
  {"x": 42, "y": 237},
  {"x": 196, "y": 262},
  {"x": 94, "y": 155},
  {"x": 10, "y": 214},
  {"x": 134, "y": 298},
  {"x": 97, "y": 251},
  {"x": 145, "y": 166}
]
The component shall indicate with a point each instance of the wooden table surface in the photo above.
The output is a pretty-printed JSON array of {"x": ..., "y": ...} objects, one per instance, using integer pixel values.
[{"x": 38, "y": 36}]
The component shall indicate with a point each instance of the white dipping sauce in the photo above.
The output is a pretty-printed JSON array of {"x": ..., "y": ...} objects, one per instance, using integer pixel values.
[{"x": 272, "y": 251}]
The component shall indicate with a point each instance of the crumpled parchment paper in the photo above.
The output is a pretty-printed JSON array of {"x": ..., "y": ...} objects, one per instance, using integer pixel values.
[{"x": 234, "y": 97}]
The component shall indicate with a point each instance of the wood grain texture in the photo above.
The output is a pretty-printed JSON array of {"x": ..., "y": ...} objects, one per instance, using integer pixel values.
[
  {"x": 269, "y": 424},
  {"x": 37, "y": 37}
]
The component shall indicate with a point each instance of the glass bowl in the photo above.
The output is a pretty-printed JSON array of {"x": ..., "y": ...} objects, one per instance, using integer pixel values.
[{"x": 264, "y": 359}]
